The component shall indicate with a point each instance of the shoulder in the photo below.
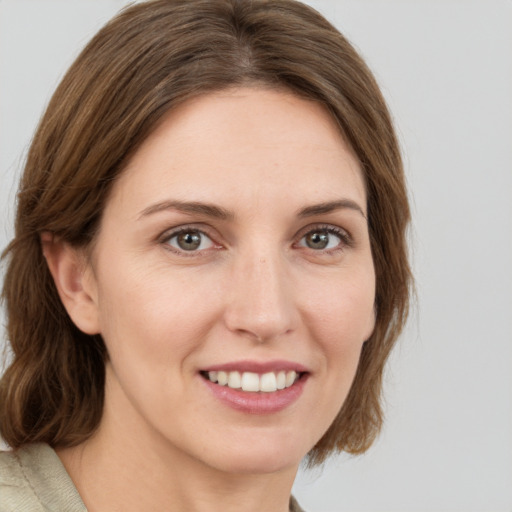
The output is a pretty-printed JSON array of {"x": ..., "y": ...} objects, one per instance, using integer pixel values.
[
  {"x": 33, "y": 479},
  {"x": 294, "y": 505},
  {"x": 16, "y": 492}
]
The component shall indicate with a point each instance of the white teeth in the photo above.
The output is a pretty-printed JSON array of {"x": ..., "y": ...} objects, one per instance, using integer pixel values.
[
  {"x": 250, "y": 381},
  {"x": 234, "y": 380},
  {"x": 281, "y": 380},
  {"x": 290, "y": 378},
  {"x": 268, "y": 382},
  {"x": 222, "y": 378}
]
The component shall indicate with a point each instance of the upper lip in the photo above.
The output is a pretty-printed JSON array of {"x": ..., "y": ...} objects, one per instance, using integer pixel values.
[{"x": 257, "y": 366}]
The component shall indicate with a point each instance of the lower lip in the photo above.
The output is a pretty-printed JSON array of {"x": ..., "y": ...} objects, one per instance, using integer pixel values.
[{"x": 260, "y": 402}]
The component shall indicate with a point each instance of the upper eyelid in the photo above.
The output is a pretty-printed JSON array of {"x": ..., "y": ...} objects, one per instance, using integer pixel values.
[
  {"x": 200, "y": 228},
  {"x": 323, "y": 226},
  {"x": 206, "y": 230},
  {"x": 346, "y": 240},
  {"x": 167, "y": 235}
]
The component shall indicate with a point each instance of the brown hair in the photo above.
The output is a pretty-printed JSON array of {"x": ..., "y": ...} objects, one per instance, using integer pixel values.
[{"x": 149, "y": 58}]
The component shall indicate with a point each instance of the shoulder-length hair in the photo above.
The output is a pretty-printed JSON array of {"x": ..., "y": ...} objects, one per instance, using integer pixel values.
[{"x": 151, "y": 57}]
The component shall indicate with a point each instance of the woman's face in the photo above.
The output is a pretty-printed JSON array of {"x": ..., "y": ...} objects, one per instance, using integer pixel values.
[{"x": 234, "y": 247}]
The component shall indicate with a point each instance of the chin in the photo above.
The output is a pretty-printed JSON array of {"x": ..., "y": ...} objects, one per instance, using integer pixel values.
[
  {"x": 263, "y": 456},
  {"x": 245, "y": 464}
]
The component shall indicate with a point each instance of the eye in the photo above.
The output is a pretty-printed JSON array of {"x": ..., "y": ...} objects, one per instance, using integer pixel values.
[
  {"x": 321, "y": 239},
  {"x": 189, "y": 240}
]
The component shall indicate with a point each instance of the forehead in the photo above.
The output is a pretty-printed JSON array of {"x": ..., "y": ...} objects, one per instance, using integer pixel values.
[{"x": 248, "y": 143}]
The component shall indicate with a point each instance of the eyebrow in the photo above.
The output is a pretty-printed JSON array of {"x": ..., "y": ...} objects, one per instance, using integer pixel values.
[
  {"x": 207, "y": 209},
  {"x": 212, "y": 210},
  {"x": 329, "y": 207}
]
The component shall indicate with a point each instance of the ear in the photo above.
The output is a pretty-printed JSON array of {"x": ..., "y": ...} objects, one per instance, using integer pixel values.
[{"x": 74, "y": 280}]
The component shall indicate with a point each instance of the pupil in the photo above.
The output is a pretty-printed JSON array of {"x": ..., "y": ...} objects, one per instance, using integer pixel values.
[
  {"x": 317, "y": 240},
  {"x": 189, "y": 241}
]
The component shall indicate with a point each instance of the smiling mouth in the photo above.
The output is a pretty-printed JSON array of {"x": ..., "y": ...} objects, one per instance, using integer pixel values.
[{"x": 251, "y": 382}]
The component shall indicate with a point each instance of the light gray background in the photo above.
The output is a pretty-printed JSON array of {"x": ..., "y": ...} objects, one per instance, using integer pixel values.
[{"x": 446, "y": 69}]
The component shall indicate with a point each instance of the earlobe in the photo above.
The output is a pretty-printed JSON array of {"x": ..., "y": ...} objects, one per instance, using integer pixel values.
[{"x": 74, "y": 282}]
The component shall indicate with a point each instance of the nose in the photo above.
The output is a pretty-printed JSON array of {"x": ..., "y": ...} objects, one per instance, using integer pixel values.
[{"x": 261, "y": 303}]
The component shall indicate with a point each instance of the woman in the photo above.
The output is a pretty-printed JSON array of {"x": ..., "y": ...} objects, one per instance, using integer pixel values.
[{"x": 209, "y": 268}]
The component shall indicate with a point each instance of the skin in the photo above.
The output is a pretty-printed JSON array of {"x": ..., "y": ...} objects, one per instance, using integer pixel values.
[{"x": 253, "y": 290}]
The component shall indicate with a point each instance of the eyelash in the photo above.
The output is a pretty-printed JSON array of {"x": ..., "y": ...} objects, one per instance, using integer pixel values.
[
  {"x": 343, "y": 235},
  {"x": 169, "y": 235}
]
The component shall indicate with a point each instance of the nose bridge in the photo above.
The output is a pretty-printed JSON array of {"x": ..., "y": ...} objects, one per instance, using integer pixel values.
[{"x": 261, "y": 303}]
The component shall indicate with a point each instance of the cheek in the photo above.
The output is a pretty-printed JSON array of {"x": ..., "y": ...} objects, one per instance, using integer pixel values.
[
  {"x": 340, "y": 328},
  {"x": 152, "y": 315},
  {"x": 341, "y": 319},
  {"x": 342, "y": 309}
]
